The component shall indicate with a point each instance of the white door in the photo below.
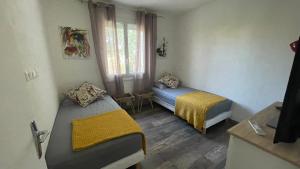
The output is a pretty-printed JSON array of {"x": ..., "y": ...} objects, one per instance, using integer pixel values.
[{"x": 23, "y": 47}]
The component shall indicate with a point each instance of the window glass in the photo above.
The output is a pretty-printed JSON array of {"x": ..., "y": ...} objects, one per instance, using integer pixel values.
[
  {"x": 121, "y": 47},
  {"x": 110, "y": 52},
  {"x": 127, "y": 47},
  {"x": 132, "y": 47}
]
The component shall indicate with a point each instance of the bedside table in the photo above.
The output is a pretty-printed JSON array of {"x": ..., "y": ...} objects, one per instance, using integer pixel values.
[
  {"x": 127, "y": 99},
  {"x": 141, "y": 96}
]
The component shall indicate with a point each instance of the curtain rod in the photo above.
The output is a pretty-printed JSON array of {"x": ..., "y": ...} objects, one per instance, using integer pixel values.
[{"x": 118, "y": 6}]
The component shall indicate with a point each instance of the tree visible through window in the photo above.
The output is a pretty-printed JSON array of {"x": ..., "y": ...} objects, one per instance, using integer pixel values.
[{"x": 127, "y": 44}]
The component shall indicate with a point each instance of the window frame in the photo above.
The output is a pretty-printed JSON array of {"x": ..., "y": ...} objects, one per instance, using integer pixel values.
[{"x": 127, "y": 75}]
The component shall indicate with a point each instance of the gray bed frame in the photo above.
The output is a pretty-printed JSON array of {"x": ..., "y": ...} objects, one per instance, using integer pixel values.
[
  {"x": 208, "y": 123},
  {"x": 59, "y": 145}
]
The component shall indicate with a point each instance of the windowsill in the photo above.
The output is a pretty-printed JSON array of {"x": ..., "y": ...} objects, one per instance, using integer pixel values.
[{"x": 127, "y": 77}]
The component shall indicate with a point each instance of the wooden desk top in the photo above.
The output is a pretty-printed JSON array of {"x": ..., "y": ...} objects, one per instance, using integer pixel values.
[{"x": 288, "y": 152}]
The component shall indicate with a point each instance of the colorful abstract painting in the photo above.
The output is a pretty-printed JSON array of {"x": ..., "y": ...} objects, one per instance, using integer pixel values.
[{"x": 75, "y": 43}]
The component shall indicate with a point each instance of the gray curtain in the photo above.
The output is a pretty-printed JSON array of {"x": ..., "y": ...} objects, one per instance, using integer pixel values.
[
  {"x": 146, "y": 51},
  {"x": 103, "y": 22}
]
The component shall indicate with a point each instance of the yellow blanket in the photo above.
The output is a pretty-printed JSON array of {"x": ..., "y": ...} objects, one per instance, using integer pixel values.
[
  {"x": 101, "y": 128},
  {"x": 193, "y": 107}
]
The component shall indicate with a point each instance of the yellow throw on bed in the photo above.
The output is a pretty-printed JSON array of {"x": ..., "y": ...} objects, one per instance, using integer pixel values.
[
  {"x": 101, "y": 128},
  {"x": 193, "y": 107}
]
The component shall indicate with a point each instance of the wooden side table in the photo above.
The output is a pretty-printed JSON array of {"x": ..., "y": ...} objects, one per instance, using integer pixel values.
[
  {"x": 127, "y": 99},
  {"x": 140, "y": 97}
]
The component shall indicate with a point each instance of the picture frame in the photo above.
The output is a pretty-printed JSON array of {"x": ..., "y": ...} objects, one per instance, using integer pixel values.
[{"x": 75, "y": 43}]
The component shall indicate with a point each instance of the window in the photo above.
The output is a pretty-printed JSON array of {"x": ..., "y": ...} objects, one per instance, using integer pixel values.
[{"x": 127, "y": 44}]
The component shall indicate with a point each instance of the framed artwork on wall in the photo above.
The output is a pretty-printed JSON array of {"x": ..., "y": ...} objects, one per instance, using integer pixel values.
[{"x": 75, "y": 43}]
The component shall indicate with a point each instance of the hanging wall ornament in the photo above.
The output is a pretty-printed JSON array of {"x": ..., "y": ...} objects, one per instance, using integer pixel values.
[
  {"x": 162, "y": 49},
  {"x": 294, "y": 46}
]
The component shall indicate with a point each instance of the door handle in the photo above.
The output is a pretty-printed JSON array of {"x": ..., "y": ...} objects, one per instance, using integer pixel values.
[{"x": 39, "y": 138}]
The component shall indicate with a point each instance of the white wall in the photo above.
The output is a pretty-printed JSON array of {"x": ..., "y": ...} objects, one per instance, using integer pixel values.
[
  {"x": 69, "y": 73},
  {"x": 238, "y": 49},
  {"x": 23, "y": 46},
  {"x": 166, "y": 28}
]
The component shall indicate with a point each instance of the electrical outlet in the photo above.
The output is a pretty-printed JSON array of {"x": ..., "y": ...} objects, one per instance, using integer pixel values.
[{"x": 30, "y": 74}]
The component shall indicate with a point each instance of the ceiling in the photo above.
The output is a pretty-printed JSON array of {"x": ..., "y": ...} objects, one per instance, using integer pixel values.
[{"x": 174, "y": 6}]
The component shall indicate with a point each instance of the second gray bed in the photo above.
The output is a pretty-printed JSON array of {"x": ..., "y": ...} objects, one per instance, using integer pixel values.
[
  {"x": 168, "y": 95},
  {"x": 59, "y": 154}
]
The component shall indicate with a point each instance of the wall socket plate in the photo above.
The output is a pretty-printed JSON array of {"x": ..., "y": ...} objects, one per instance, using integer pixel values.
[{"x": 30, "y": 74}]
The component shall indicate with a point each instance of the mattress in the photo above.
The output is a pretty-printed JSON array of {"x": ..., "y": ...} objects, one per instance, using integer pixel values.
[
  {"x": 59, "y": 154},
  {"x": 169, "y": 95}
]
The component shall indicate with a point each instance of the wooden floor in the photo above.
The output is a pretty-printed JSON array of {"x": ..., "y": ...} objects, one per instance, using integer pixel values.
[{"x": 173, "y": 144}]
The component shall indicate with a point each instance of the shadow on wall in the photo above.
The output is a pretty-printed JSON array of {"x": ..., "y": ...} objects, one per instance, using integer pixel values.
[
  {"x": 69, "y": 73},
  {"x": 47, "y": 41},
  {"x": 240, "y": 112}
]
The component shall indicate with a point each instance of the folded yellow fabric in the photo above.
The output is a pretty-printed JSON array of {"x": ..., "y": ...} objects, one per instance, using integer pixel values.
[
  {"x": 193, "y": 107},
  {"x": 101, "y": 128}
]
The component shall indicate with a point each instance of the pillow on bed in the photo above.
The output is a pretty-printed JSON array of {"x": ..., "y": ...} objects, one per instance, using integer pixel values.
[
  {"x": 160, "y": 85},
  {"x": 85, "y": 94},
  {"x": 169, "y": 80}
]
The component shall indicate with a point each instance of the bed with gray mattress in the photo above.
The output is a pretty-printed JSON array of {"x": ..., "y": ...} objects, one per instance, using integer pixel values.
[
  {"x": 59, "y": 154},
  {"x": 167, "y": 98}
]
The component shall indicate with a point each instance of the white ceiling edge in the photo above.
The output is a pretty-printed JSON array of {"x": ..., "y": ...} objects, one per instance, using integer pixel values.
[
  {"x": 159, "y": 6},
  {"x": 162, "y": 14}
]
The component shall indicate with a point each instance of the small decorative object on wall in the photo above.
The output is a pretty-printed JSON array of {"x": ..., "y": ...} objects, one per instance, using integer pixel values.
[
  {"x": 294, "y": 46},
  {"x": 75, "y": 43},
  {"x": 162, "y": 50}
]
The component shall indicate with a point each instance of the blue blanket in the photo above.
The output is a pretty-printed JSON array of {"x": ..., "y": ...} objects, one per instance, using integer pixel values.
[{"x": 169, "y": 95}]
